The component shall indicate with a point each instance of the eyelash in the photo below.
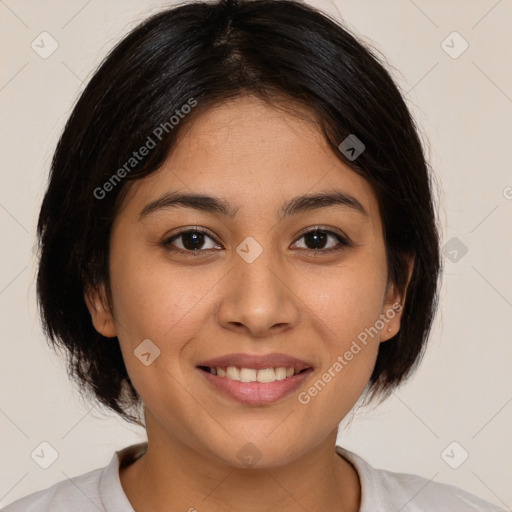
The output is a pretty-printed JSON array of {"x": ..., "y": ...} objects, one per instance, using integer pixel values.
[{"x": 167, "y": 243}]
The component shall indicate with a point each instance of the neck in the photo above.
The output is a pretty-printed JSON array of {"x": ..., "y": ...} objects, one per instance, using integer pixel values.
[{"x": 173, "y": 476}]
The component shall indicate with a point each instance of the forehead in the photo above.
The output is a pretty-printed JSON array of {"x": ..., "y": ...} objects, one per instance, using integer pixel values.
[{"x": 254, "y": 155}]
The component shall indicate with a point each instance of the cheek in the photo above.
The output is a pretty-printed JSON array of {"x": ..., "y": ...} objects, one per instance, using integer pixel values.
[
  {"x": 163, "y": 304},
  {"x": 159, "y": 301},
  {"x": 346, "y": 311},
  {"x": 143, "y": 304},
  {"x": 347, "y": 299}
]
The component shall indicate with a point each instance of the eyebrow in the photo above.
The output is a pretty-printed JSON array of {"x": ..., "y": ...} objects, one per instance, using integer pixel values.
[{"x": 216, "y": 205}]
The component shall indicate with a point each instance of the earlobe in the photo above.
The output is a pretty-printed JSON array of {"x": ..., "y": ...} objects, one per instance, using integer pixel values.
[
  {"x": 394, "y": 306},
  {"x": 391, "y": 314},
  {"x": 99, "y": 310}
]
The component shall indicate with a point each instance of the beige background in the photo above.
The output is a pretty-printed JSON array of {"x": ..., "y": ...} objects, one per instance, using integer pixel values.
[{"x": 463, "y": 390}]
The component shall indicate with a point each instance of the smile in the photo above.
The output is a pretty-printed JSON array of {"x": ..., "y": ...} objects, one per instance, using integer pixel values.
[
  {"x": 253, "y": 374},
  {"x": 252, "y": 386}
]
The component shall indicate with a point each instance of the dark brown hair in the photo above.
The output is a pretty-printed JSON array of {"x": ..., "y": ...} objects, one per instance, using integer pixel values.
[{"x": 211, "y": 52}]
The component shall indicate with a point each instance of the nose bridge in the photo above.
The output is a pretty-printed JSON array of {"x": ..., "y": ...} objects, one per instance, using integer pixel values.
[
  {"x": 258, "y": 296},
  {"x": 255, "y": 268}
]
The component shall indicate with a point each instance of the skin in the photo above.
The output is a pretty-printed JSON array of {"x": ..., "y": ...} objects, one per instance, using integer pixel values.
[{"x": 288, "y": 300}]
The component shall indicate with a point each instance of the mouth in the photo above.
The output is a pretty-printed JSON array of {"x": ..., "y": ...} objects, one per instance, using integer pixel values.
[
  {"x": 263, "y": 376},
  {"x": 253, "y": 379}
]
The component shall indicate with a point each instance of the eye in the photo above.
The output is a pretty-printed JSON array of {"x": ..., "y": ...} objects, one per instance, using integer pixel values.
[
  {"x": 190, "y": 242},
  {"x": 317, "y": 238}
]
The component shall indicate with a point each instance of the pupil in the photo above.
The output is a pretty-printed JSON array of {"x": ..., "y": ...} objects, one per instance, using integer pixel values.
[
  {"x": 197, "y": 239},
  {"x": 316, "y": 237}
]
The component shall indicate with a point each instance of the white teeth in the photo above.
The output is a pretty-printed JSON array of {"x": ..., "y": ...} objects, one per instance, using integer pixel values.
[
  {"x": 253, "y": 375},
  {"x": 266, "y": 375},
  {"x": 233, "y": 373},
  {"x": 248, "y": 375},
  {"x": 280, "y": 373}
]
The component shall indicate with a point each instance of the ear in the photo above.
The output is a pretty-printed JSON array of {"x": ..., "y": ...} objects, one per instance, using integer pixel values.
[
  {"x": 394, "y": 305},
  {"x": 101, "y": 316}
]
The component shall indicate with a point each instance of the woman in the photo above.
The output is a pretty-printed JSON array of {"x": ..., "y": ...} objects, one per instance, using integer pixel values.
[{"x": 238, "y": 244}]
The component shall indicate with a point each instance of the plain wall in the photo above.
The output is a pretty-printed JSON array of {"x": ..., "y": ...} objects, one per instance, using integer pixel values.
[{"x": 462, "y": 391}]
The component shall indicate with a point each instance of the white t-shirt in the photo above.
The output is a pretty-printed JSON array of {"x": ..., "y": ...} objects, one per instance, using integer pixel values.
[{"x": 100, "y": 490}]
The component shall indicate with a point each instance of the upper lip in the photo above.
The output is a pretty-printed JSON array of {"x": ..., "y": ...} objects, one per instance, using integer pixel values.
[{"x": 257, "y": 361}]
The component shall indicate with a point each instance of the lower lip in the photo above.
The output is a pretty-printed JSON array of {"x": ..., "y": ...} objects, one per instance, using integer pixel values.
[{"x": 256, "y": 393}]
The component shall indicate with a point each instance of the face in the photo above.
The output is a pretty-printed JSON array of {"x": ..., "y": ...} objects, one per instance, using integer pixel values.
[{"x": 259, "y": 273}]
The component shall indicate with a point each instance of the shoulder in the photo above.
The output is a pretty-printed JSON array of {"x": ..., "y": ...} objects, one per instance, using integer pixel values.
[
  {"x": 98, "y": 490},
  {"x": 77, "y": 493},
  {"x": 410, "y": 493}
]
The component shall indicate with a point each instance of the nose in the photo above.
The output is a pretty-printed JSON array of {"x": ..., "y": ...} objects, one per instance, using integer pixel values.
[{"x": 258, "y": 297}]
